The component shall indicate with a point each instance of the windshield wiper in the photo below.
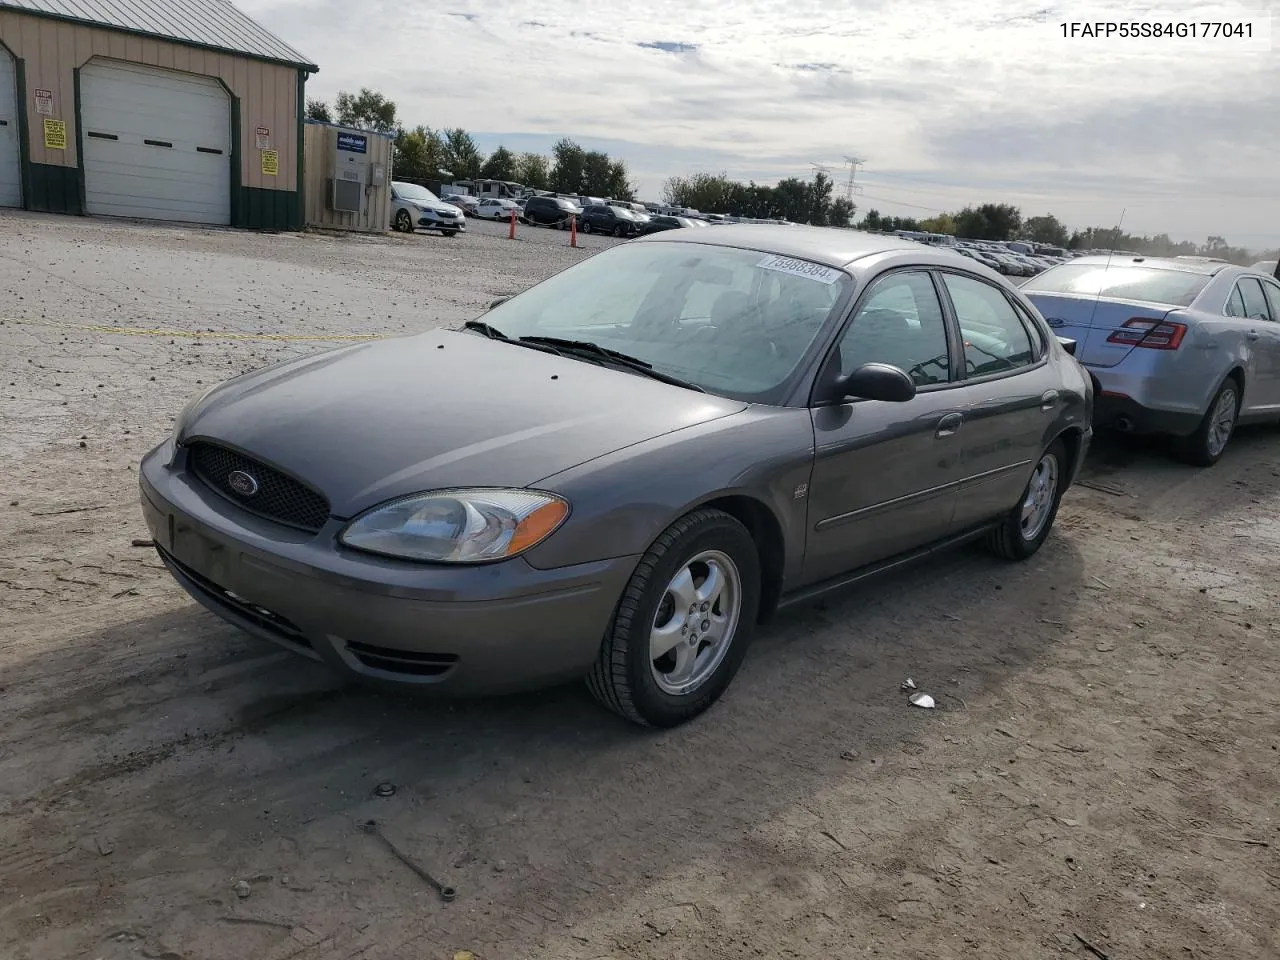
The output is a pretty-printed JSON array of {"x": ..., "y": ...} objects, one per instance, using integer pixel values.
[
  {"x": 585, "y": 349},
  {"x": 493, "y": 333}
]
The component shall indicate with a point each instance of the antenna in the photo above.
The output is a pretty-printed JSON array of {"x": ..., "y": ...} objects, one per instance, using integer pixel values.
[{"x": 852, "y": 188}]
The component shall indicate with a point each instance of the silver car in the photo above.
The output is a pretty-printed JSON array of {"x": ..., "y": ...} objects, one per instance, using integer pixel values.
[
  {"x": 417, "y": 208},
  {"x": 1184, "y": 346},
  {"x": 618, "y": 473}
]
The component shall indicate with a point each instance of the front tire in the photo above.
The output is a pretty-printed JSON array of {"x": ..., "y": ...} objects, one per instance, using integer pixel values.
[
  {"x": 684, "y": 623},
  {"x": 404, "y": 222},
  {"x": 1206, "y": 446},
  {"x": 1025, "y": 528},
  {"x": 449, "y": 233}
]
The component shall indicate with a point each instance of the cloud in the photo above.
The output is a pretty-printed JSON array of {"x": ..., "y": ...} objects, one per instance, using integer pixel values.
[
  {"x": 668, "y": 46},
  {"x": 948, "y": 103}
]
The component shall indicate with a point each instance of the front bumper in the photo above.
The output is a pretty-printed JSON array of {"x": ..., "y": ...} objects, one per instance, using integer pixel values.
[
  {"x": 428, "y": 222},
  {"x": 483, "y": 629}
]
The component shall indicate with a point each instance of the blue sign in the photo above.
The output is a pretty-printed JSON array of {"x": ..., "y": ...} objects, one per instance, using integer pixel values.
[{"x": 353, "y": 142}]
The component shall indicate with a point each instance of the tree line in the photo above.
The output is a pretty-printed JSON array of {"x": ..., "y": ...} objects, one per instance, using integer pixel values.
[{"x": 424, "y": 154}]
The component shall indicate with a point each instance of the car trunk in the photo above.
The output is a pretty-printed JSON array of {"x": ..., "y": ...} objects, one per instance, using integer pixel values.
[{"x": 1089, "y": 321}]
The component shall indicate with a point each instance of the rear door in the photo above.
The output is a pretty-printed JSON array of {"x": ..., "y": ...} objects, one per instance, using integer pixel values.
[
  {"x": 1262, "y": 332},
  {"x": 1011, "y": 396}
]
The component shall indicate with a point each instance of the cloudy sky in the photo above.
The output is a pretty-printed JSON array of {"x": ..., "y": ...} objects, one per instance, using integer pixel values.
[{"x": 948, "y": 102}]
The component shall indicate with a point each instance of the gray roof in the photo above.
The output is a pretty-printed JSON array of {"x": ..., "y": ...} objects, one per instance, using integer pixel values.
[
  {"x": 213, "y": 24},
  {"x": 832, "y": 246}
]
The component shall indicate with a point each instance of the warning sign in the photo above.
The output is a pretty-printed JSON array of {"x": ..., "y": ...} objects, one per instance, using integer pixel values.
[
  {"x": 44, "y": 102},
  {"x": 264, "y": 138},
  {"x": 270, "y": 163},
  {"x": 55, "y": 135}
]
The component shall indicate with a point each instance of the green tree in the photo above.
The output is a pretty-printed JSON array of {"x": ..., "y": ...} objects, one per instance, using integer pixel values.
[
  {"x": 419, "y": 154},
  {"x": 841, "y": 212},
  {"x": 461, "y": 156},
  {"x": 618, "y": 184},
  {"x": 501, "y": 165},
  {"x": 319, "y": 110},
  {"x": 367, "y": 109},
  {"x": 534, "y": 171},
  {"x": 595, "y": 174},
  {"x": 1046, "y": 229},
  {"x": 568, "y": 168},
  {"x": 942, "y": 223}
]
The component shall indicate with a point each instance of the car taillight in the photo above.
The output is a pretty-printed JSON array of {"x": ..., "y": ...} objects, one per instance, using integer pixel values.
[{"x": 1153, "y": 334}]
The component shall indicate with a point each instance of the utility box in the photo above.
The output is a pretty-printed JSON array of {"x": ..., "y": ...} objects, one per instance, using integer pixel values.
[{"x": 348, "y": 178}]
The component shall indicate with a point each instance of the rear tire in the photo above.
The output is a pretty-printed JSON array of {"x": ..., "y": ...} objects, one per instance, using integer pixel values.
[
  {"x": 449, "y": 233},
  {"x": 708, "y": 560},
  {"x": 1206, "y": 446},
  {"x": 1025, "y": 528},
  {"x": 586, "y": 227}
]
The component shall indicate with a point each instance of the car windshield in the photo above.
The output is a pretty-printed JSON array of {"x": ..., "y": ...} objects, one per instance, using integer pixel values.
[
  {"x": 411, "y": 191},
  {"x": 1177, "y": 288},
  {"x": 734, "y": 322}
]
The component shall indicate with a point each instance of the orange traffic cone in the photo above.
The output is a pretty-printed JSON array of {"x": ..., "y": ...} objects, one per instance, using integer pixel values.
[
  {"x": 573, "y": 230},
  {"x": 511, "y": 235}
]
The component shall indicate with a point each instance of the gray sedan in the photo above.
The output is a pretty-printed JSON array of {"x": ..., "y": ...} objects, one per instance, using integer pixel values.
[{"x": 620, "y": 472}]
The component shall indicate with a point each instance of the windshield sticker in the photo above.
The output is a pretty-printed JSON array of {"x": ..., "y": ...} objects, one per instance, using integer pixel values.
[{"x": 799, "y": 268}]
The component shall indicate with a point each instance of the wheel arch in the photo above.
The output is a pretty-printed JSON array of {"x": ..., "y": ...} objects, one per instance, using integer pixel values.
[{"x": 766, "y": 532}]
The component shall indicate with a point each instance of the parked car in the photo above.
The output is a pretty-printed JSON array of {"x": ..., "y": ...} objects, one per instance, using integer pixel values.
[
  {"x": 1265, "y": 266},
  {"x": 550, "y": 212},
  {"x": 465, "y": 202},
  {"x": 496, "y": 208},
  {"x": 658, "y": 223},
  {"x": 1187, "y": 348},
  {"x": 417, "y": 208},
  {"x": 606, "y": 218},
  {"x": 670, "y": 441}
]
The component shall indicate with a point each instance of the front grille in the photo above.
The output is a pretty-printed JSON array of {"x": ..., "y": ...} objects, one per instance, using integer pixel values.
[
  {"x": 402, "y": 661},
  {"x": 260, "y": 617},
  {"x": 278, "y": 497}
]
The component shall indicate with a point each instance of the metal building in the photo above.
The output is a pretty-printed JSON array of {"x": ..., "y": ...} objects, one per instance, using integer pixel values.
[
  {"x": 182, "y": 110},
  {"x": 347, "y": 182}
]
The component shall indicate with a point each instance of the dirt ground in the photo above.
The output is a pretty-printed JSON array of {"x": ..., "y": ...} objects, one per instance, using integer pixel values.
[{"x": 1102, "y": 765}]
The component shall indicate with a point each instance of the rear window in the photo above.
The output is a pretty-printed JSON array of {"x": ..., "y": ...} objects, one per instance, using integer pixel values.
[{"x": 1176, "y": 288}]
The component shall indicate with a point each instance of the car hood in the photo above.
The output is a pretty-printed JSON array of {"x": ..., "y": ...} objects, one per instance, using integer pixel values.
[{"x": 367, "y": 423}]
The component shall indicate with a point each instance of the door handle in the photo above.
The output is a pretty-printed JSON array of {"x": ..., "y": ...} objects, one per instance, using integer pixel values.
[
  {"x": 1048, "y": 399},
  {"x": 1253, "y": 335},
  {"x": 948, "y": 425}
]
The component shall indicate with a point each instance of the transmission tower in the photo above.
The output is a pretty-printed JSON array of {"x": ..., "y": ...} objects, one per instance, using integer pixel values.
[
  {"x": 851, "y": 188},
  {"x": 820, "y": 168}
]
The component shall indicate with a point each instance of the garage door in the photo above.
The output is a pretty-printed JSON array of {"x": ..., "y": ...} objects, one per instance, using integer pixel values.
[
  {"x": 157, "y": 144},
  {"x": 10, "y": 165}
]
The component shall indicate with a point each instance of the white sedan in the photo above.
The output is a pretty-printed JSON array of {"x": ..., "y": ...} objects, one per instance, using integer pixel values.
[{"x": 496, "y": 208}]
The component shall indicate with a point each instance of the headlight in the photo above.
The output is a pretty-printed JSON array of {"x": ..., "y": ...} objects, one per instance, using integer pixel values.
[
  {"x": 458, "y": 526},
  {"x": 194, "y": 402}
]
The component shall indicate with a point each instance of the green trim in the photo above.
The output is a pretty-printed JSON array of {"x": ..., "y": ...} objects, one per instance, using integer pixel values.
[
  {"x": 98, "y": 25},
  {"x": 264, "y": 209},
  {"x": 24, "y": 132},
  {"x": 84, "y": 197},
  {"x": 236, "y": 176},
  {"x": 300, "y": 185},
  {"x": 54, "y": 189}
]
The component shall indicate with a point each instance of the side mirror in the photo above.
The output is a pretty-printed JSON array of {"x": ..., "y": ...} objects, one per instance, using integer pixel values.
[
  {"x": 1068, "y": 345},
  {"x": 877, "y": 381},
  {"x": 498, "y": 302}
]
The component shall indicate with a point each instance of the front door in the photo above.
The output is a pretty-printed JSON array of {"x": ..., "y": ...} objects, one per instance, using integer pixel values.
[
  {"x": 1263, "y": 332},
  {"x": 885, "y": 474},
  {"x": 1011, "y": 394}
]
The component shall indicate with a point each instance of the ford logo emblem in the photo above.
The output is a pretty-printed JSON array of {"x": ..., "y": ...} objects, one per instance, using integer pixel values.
[
  {"x": 242, "y": 483},
  {"x": 1055, "y": 322}
]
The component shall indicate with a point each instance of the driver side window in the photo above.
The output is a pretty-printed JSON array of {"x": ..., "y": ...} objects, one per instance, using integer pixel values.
[{"x": 900, "y": 323}]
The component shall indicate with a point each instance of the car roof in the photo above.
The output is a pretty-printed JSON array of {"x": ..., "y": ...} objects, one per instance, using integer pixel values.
[
  {"x": 832, "y": 246},
  {"x": 1206, "y": 268}
]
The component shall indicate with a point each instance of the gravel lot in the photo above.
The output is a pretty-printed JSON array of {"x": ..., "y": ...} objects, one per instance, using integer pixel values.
[{"x": 1102, "y": 764}]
